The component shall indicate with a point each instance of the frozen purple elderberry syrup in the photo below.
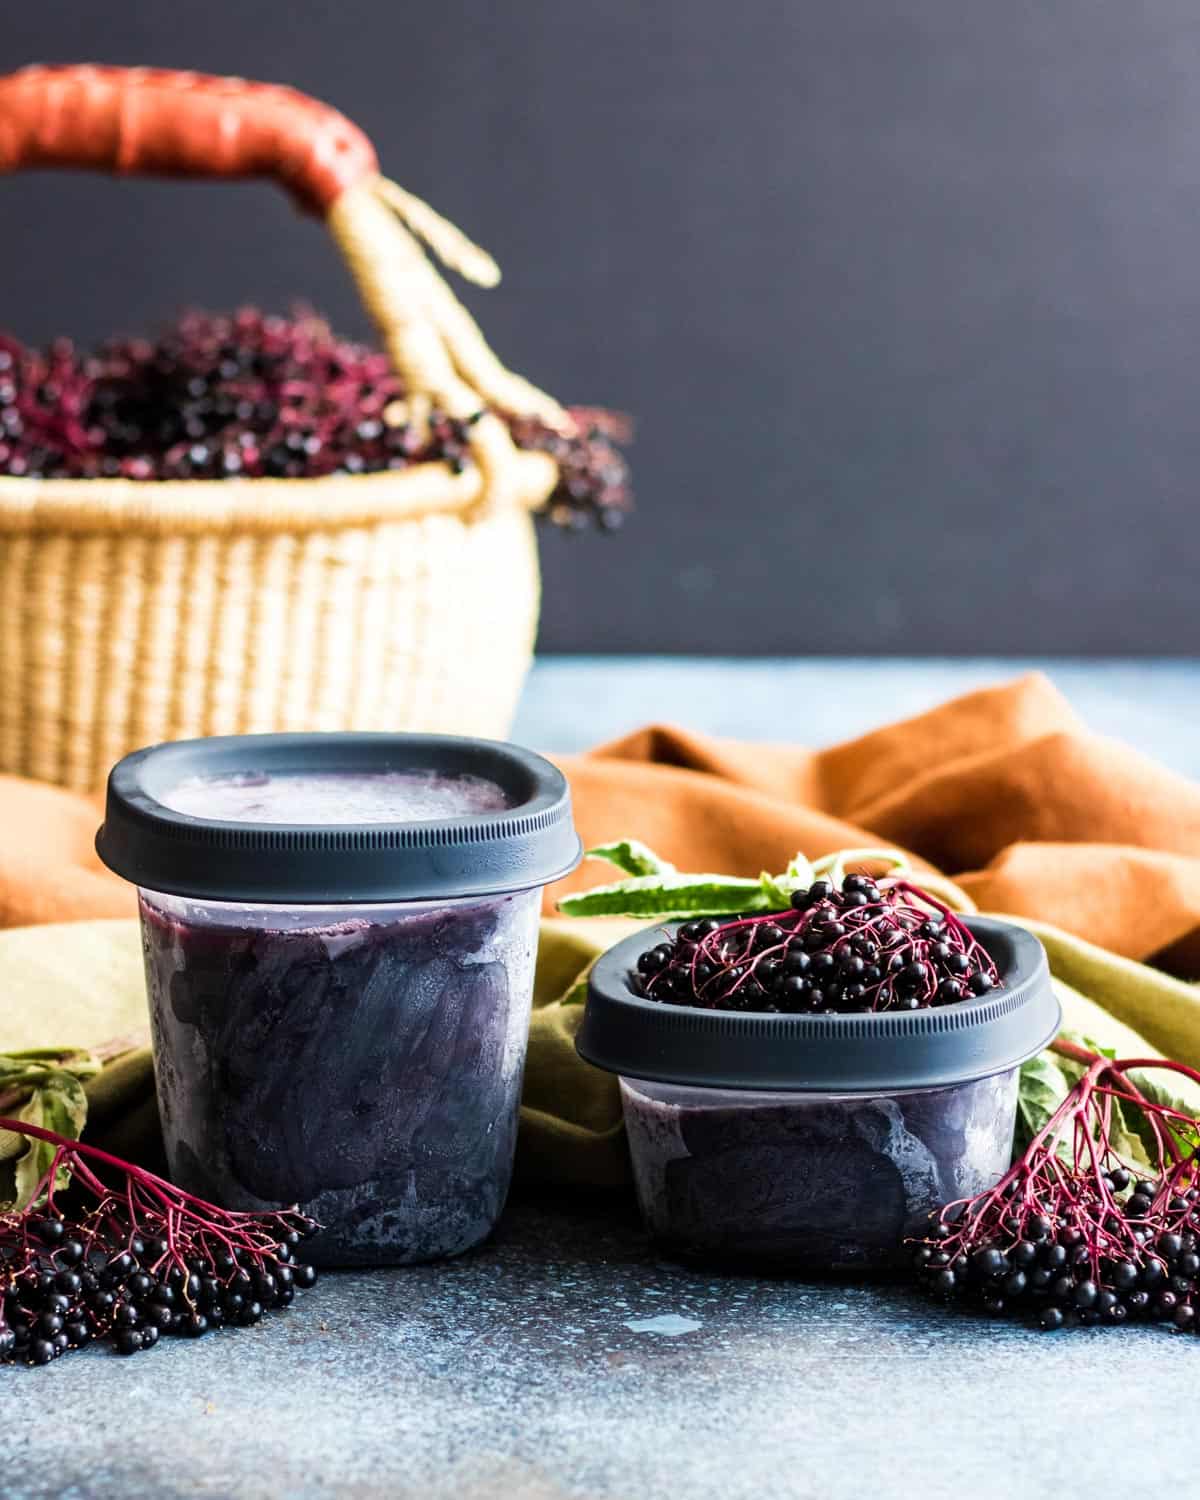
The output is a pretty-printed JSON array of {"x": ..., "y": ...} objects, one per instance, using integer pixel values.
[
  {"x": 819, "y": 1143},
  {"x": 339, "y": 934}
]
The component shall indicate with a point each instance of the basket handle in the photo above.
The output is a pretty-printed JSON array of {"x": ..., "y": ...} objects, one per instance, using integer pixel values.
[{"x": 160, "y": 122}]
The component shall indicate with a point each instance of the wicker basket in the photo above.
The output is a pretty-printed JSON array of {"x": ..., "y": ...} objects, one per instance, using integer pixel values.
[{"x": 132, "y": 612}]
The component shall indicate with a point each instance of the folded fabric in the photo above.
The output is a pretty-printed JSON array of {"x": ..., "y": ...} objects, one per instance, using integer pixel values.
[
  {"x": 1005, "y": 790},
  {"x": 1094, "y": 847},
  {"x": 81, "y": 983}
]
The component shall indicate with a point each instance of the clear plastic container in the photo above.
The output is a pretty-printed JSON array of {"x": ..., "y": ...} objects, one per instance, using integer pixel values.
[
  {"x": 818, "y": 1182},
  {"x": 365, "y": 1063},
  {"x": 818, "y": 1143},
  {"x": 340, "y": 934}
]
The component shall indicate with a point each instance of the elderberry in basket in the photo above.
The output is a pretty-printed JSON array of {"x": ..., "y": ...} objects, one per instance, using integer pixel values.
[
  {"x": 251, "y": 395},
  {"x": 863, "y": 946}
]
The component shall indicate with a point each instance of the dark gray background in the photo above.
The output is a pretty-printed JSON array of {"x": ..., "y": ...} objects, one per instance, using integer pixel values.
[{"x": 903, "y": 293}]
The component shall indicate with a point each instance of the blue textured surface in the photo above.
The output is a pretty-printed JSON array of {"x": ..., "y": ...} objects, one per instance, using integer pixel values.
[{"x": 566, "y": 1359}]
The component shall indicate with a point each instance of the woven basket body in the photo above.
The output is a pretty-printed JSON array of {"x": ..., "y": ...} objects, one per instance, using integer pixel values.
[
  {"x": 136, "y": 612},
  {"x": 117, "y": 639}
]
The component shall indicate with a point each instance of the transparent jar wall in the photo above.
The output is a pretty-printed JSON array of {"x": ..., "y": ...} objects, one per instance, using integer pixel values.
[
  {"x": 817, "y": 1182},
  {"x": 364, "y": 1062}
]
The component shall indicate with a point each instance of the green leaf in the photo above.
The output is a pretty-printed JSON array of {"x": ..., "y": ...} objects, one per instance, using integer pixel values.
[
  {"x": 59, "y": 1104},
  {"x": 632, "y": 856},
  {"x": 1186, "y": 1136},
  {"x": 1041, "y": 1089},
  {"x": 833, "y": 866},
  {"x": 670, "y": 895},
  {"x": 800, "y": 872},
  {"x": 777, "y": 891}
]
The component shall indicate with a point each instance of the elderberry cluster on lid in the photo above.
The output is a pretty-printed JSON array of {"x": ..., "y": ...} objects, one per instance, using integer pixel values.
[
  {"x": 66, "y": 1284},
  {"x": 866, "y": 946},
  {"x": 220, "y": 397}
]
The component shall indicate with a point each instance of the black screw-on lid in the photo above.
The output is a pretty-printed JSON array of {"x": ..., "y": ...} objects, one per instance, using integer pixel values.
[
  {"x": 529, "y": 842},
  {"x": 872, "y": 1053}
]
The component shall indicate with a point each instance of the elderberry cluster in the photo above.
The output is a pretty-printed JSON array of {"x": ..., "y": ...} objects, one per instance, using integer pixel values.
[
  {"x": 217, "y": 397},
  {"x": 63, "y": 1291},
  {"x": 860, "y": 947},
  {"x": 1138, "y": 1260}
]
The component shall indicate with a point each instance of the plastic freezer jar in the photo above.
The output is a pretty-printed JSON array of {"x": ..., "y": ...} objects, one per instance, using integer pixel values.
[{"x": 340, "y": 934}]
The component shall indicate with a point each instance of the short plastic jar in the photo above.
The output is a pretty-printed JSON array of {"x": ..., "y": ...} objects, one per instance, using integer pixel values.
[
  {"x": 339, "y": 935},
  {"x": 815, "y": 1143}
]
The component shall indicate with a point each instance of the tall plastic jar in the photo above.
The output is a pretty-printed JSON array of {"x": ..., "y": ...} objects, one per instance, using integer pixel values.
[
  {"x": 816, "y": 1143},
  {"x": 340, "y": 933}
]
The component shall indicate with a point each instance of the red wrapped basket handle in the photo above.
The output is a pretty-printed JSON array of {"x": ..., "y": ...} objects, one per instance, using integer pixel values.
[{"x": 161, "y": 122}]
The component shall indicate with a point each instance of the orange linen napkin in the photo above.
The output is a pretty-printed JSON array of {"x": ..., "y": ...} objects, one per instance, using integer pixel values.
[{"x": 1006, "y": 790}]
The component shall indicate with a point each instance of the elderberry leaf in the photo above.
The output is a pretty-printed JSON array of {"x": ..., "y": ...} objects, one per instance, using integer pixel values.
[
  {"x": 668, "y": 895},
  {"x": 632, "y": 856},
  {"x": 1042, "y": 1087},
  {"x": 58, "y": 1103},
  {"x": 799, "y": 874},
  {"x": 1186, "y": 1136},
  {"x": 778, "y": 891},
  {"x": 833, "y": 866}
]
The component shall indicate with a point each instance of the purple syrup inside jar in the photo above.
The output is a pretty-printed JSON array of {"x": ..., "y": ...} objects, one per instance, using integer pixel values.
[
  {"x": 810, "y": 1182},
  {"x": 364, "y": 1061}
]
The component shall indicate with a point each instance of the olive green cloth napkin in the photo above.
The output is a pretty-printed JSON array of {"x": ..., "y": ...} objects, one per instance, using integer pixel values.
[{"x": 80, "y": 983}]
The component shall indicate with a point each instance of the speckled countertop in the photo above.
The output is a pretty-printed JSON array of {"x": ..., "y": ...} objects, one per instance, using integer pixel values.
[{"x": 566, "y": 1358}]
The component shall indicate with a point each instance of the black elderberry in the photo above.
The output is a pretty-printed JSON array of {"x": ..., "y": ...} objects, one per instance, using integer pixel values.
[
  {"x": 305, "y": 1276},
  {"x": 991, "y": 1262},
  {"x": 1165, "y": 1304},
  {"x": 127, "y": 1316},
  {"x": 1038, "y": 1227},
  {"x": 128, "y": 1340},
  {"x": 980, "y": 982},
  {"x": 49, "y": 1231},
  {"x": 70, "y": 1253},
  {"x": 1124, "y": 1275},
  {"x": 50, "y": 1323},
  {"x": 1137, "y": 1301},
  {"x": 1015, "y": 1283},
  {"x": 1051, "y": 1318},
  {"x": 41, "y": 1352},
  {"x": 1185, "y": 1316},
  {"x": 1024, "y": 1253}
]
